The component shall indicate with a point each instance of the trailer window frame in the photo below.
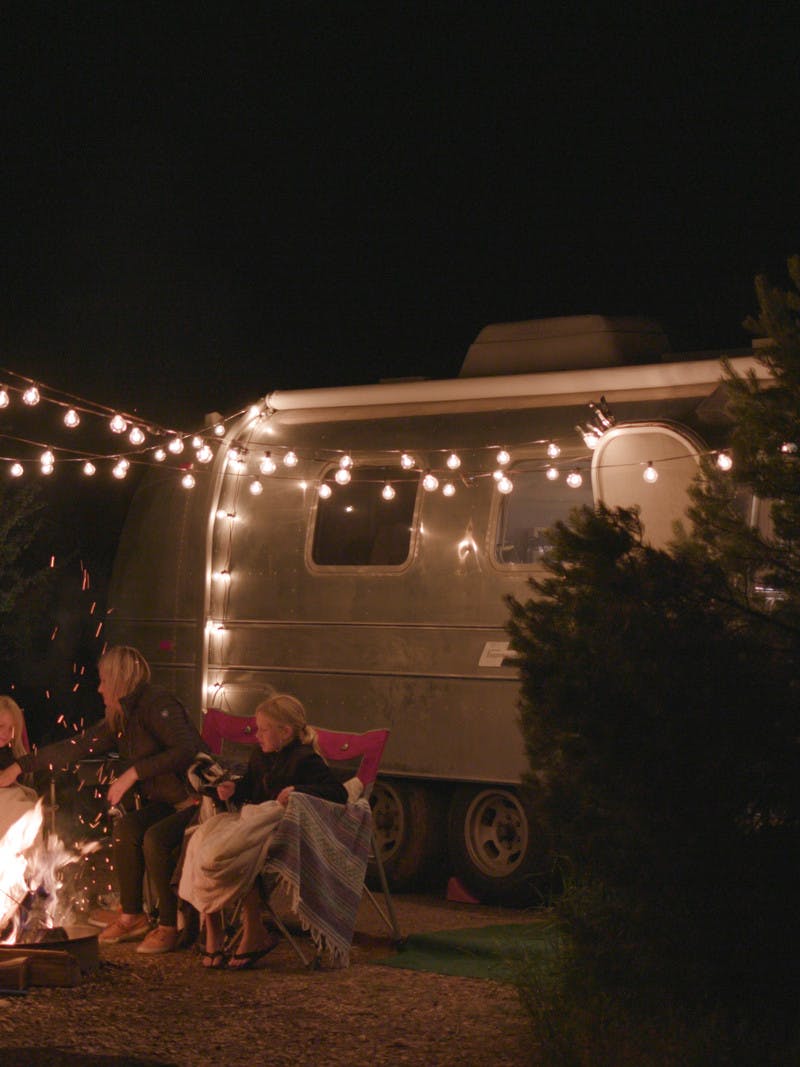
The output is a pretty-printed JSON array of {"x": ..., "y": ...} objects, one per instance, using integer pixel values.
[
  {"x": 378, "y": 548},
  {"x": 532, "y": 467}
]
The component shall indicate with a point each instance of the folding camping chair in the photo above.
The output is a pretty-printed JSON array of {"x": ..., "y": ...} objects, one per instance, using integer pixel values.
[{"x": 229, "y": 735}]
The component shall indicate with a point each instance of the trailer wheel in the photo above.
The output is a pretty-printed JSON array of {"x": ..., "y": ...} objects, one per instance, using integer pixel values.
[
  {"x": 408, "y": 820},
  {"x": 492, "y": 845}
]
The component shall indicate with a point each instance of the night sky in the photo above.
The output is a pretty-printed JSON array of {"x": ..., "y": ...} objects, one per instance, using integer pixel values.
[{"x": 200, "y": 205}]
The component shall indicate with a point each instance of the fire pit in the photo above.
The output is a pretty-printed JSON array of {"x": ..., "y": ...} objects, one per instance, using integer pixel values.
[{"x": 59, "y": 961}]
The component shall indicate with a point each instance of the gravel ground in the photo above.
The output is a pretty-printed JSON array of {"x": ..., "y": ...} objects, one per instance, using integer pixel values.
[{"x": 170, "y": 1010}]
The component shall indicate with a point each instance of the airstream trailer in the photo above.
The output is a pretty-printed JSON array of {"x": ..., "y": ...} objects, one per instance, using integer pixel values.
[{"x": 354, "y": 546}]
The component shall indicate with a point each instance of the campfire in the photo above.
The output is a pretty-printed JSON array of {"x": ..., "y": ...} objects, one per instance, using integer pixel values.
[{"x": 39, "y": 940}]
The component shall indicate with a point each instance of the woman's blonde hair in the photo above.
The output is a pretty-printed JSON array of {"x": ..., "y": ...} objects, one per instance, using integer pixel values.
[
  {"x": 12, "y": 708},
  {"x": 286, "y": 710},
  {"x": 123, "y": 669}
]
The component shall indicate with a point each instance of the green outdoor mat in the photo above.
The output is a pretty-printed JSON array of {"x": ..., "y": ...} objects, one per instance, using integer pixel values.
[{"x": 496, "y": 952}]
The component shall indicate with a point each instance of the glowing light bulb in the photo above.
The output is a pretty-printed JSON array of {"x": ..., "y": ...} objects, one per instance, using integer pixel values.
[
  {"x": 256, "y": 488},
  {"x": 71, "y": 419},
  {"x": 724, "y": 461},
  {"x": 407, "y": 462},
  {"x": 325, "y": 491},
  {"x": 505, "y": 485},
  {"x": 290, "y": 459},
  {"x": 553, "y": 450},
  {"x": 430, "y": 483},
  {"x": 448, "y": 489},
  {"x": 268, "y": 464},
  {"x": 187, "y": 481},
  {"x": 346, "y": 462},
  {"x": 388, "y": 492},
  {"x": 503, "y": 458},
  {"x": 119, "y": 471},
  {"x": 47, "y": 468},
  {"x": 222, "y": 513},
  {"x": 136, "y": 436},
  {"x": 197, "y": 442},
  {"x": 789, "y": 448},
  {"x": 575, "y": 479},
  {"x": 175, "y": 446},
  {"x": 219, "y": 429},
  {"x": 342, "y": 476},
  {"x": 159, "y": 455},
  {"x": 204, "y": 454},
  {"x": 4, "y": 399},
  {"x": 124, "y": 463},
  {"x": 89, "y": 469},
  {"x": 254, "y": 411},
  {"x": 590, "y": 439},
  {"x": 47, "y": 459},
  {"x": 650, "y": 474},
  {"x": 118, "y": 424},
  {"x": 31, "y": 396},
  {"x": 552, "y": 474},
  {"x": 497, "y": 475},
  {"x": 17, "y": 470},
  {"x": 453, "y": 462}
]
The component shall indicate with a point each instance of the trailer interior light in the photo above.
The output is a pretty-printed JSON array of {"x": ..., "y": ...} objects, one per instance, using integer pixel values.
[
  {"x": 503, "y": 458},
  {"x": 505, "y": 485},
  {"x": 204, "y": 454},
  {"x": 553, "y": 450},
  {"x": 5, "y": 400},
  {"x": 448, "y": 489},
  {"x": 175, "y": 446},
  {"x": 256, "y": 488},
  {"x": 407, "y": 461},
  {"x": 453, "y": 461},
  {"x": 31, "y": 396},
  {"x": 430, "y": 483},
  {"x": 324, "y": 491},
  {"x": 71, "y": 417},
  {"x": 89, "y": 469},
  {"x": 552, "y": 473},
  {"x": 346, "y": 461},
  {"x": 159, "y": 455},
  {"x": 650, "y": 473},
  {"x": 290, "y": 459},
  {"x": 575, "y": 479},
  {"x": 388, "y": 492},
  {"x": 136, "y": 436},
  {"x": 118, "y": 424},
  {"x": 342, "y": 476},
  {"x": 187, "y": 481},
  {"x": 17, "y": 470},
  {"x": 268, "y": 464}
]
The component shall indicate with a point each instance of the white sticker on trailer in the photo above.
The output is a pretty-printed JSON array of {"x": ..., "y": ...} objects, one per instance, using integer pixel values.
[{"x": 494, "y": 652}]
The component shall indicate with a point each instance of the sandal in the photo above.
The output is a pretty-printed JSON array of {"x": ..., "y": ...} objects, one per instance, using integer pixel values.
[
  {"x": 214, "y": 961},
  {"x": 250, "y": 959}
]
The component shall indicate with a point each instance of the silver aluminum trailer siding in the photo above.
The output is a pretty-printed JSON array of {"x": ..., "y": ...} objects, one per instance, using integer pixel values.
[{"x": 227, "y": 592}]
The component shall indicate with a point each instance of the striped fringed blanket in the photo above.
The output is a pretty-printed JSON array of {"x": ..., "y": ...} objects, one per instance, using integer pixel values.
[{"x": 319, "y": 852}]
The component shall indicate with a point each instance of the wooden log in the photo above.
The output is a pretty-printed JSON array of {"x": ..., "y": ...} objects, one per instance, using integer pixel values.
[
  {"x": 45, "y": 966},
  {"x": 14, "y": 973}
]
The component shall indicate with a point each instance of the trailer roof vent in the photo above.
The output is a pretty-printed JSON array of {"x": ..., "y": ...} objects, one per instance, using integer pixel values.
[{"x": 575, "y": 343}]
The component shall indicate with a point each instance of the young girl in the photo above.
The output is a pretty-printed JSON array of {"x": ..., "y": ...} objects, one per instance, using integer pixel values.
[
  {"x": 13, "y": 802},
  {"x": 217, "y": 872}
]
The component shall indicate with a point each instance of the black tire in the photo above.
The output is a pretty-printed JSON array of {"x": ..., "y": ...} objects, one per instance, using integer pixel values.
[
  {"x": 494, "y": 850},
  {"x": 409, "y": 824}
]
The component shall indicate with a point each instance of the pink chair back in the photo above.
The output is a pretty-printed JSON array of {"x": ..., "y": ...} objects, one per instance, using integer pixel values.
[{"x": 219, "y": 727}]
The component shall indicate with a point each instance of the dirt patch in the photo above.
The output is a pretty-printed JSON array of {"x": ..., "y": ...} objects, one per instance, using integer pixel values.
[{"x": 170, "y": 1010}]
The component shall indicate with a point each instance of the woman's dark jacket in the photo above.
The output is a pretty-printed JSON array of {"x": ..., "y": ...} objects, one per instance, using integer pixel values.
[
  {"x": 157, "y": 738},
  {"x": 298, "y": 765}
]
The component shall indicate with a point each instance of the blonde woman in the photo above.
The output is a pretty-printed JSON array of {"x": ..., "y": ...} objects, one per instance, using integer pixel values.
[
  {"x": 156, "y": 742},
  {"x": 287, "y": 759},
  {"x": 16, "y": 802}
]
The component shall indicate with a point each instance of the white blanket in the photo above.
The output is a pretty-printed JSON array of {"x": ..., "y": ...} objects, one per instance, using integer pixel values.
[{"x": 225, "y": 853}]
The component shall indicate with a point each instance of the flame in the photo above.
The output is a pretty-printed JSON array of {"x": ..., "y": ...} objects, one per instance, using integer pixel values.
[{"x": 32, "y": 863}]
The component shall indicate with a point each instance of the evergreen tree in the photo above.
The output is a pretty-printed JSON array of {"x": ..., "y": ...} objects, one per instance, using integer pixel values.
[{"x": 660, "y": 710}]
